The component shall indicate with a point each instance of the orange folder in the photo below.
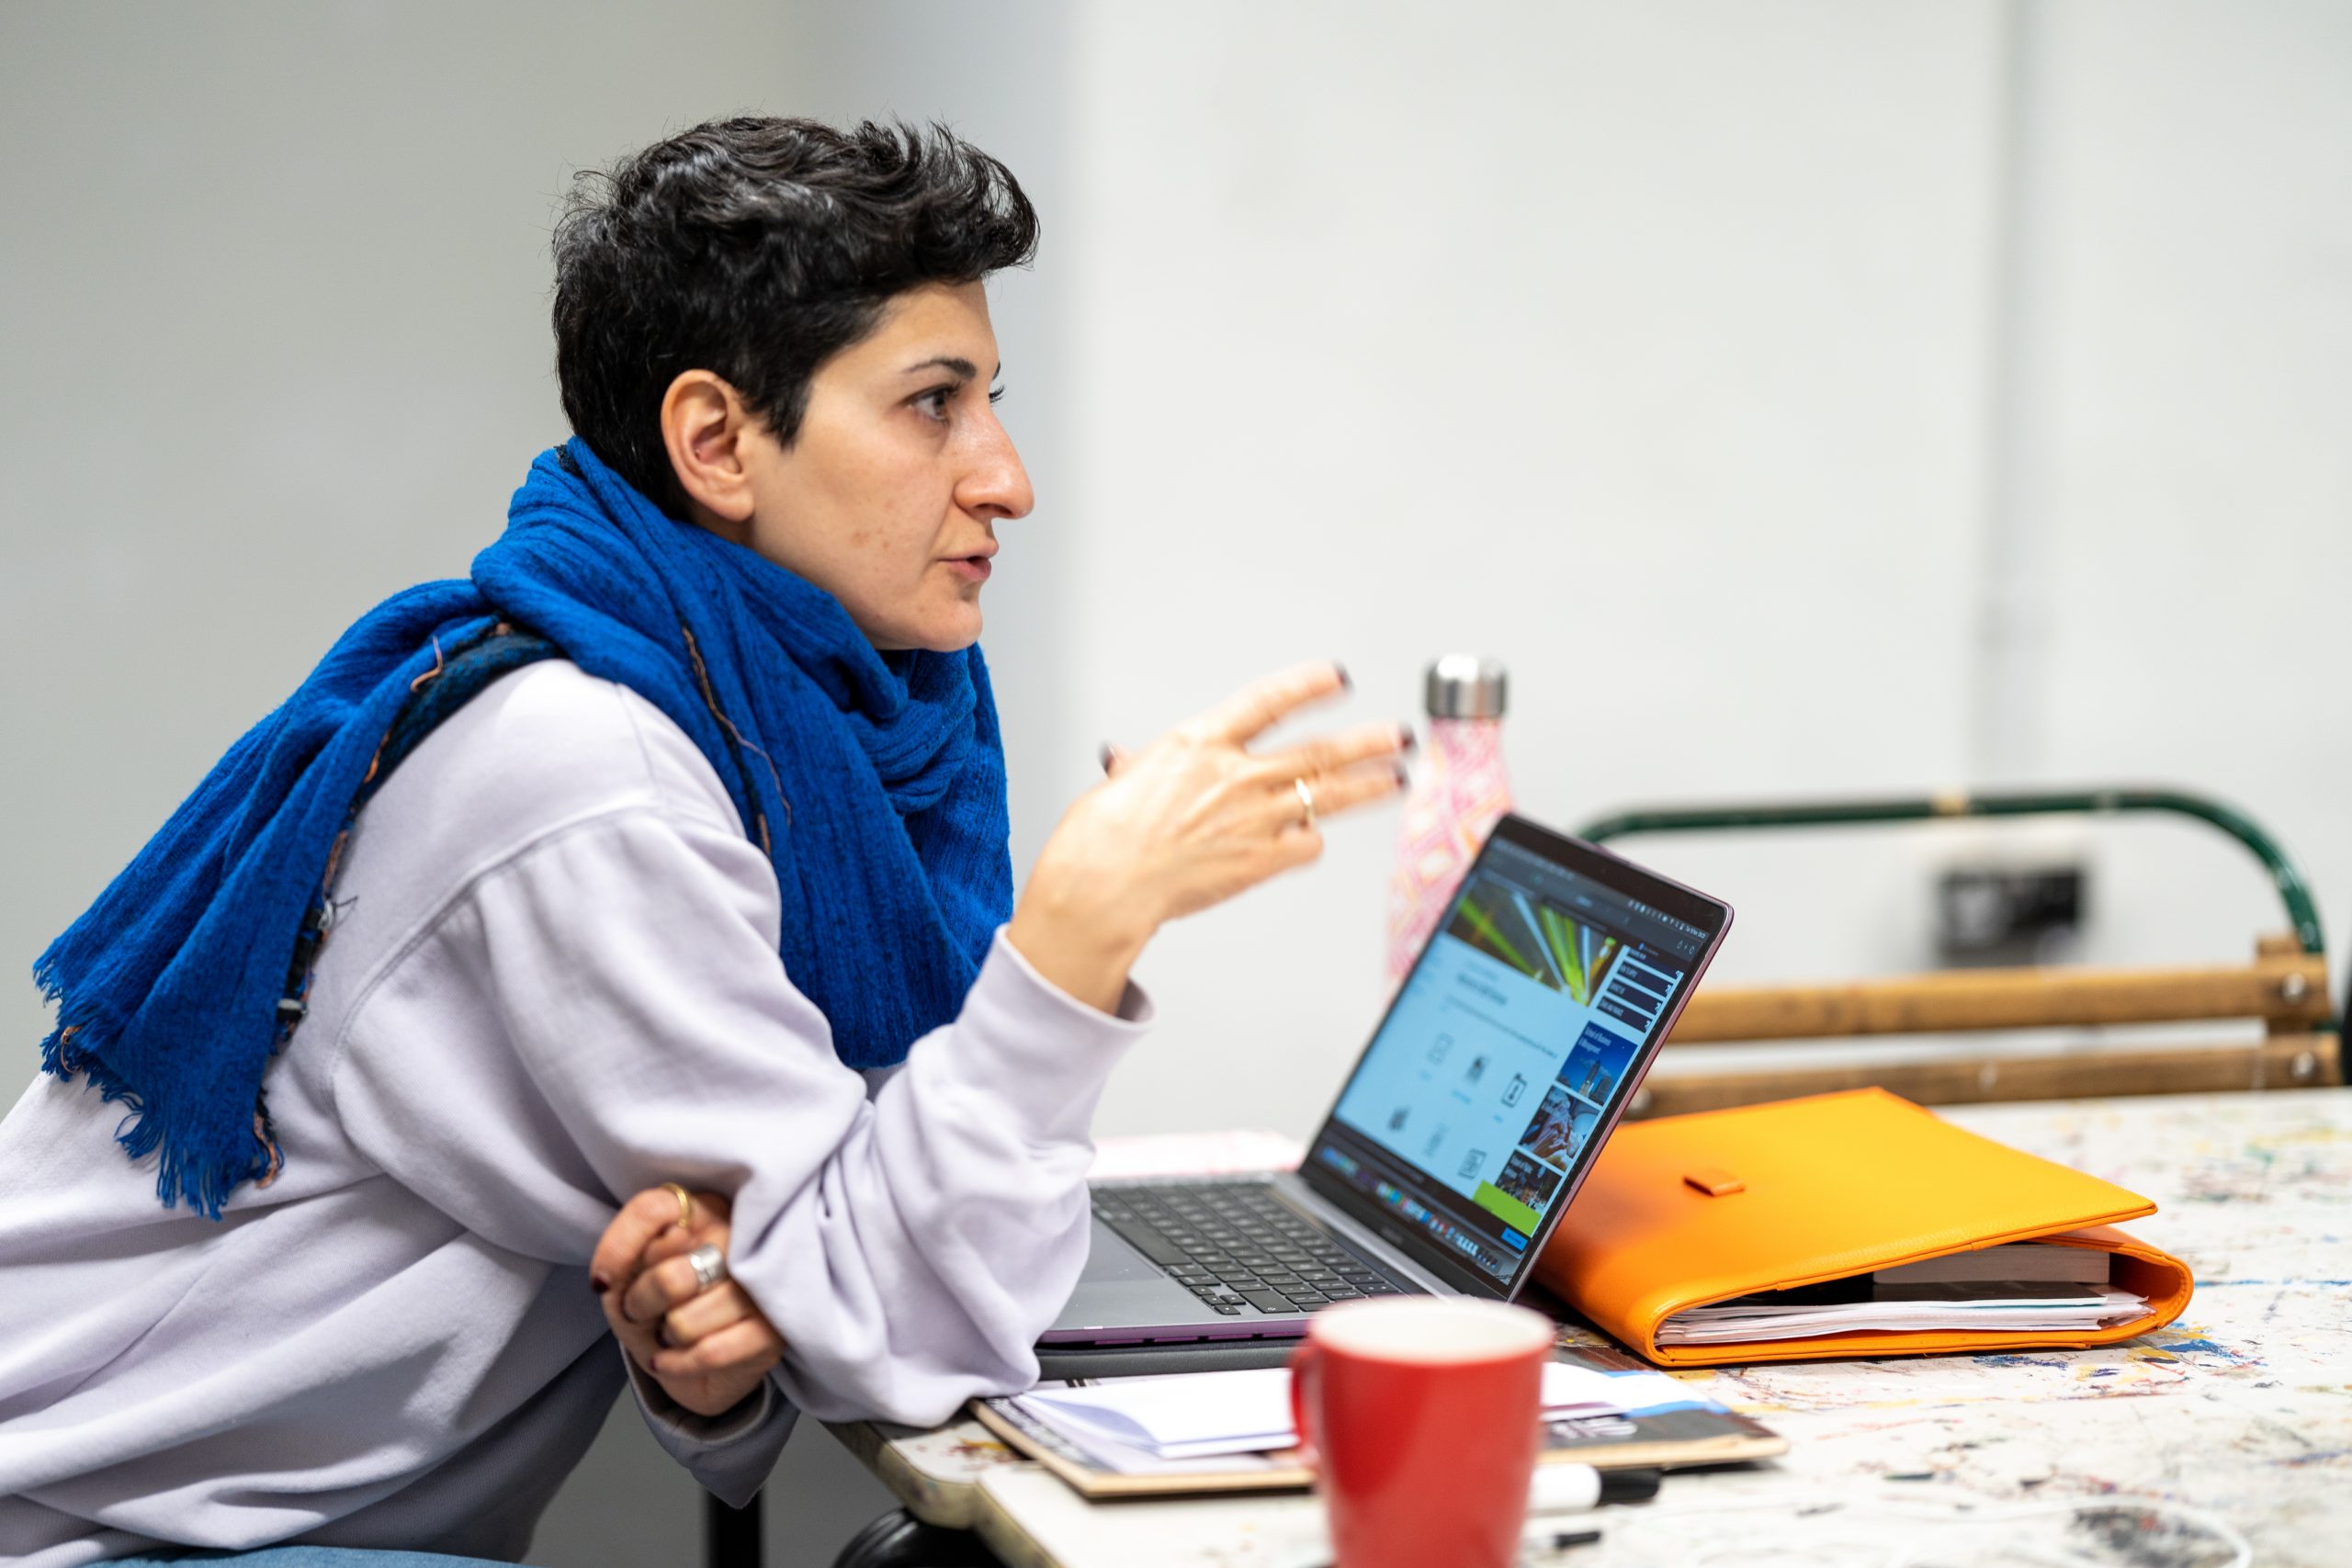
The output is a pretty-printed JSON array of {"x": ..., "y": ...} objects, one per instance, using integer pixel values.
[{"x": 1689, "y": 1210}]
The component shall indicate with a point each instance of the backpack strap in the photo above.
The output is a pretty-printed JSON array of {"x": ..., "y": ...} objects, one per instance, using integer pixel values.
[
  {"x": 440, "y": 692},
  {"x": 460, "y": 676}
]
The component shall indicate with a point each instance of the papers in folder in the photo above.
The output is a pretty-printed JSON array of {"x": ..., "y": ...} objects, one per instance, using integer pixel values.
[
  {"x": 1991, "y": 1305},
  {"x": 1162, "y": 1425}
]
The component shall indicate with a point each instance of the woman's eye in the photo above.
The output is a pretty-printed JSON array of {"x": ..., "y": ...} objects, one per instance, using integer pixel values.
[
  {"x": 995, "y": 394},
  {"x": 933, "y": 403}
]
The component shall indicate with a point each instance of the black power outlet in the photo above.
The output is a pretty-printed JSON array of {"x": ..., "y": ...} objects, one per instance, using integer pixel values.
[{"x": 2007, "y": 915}]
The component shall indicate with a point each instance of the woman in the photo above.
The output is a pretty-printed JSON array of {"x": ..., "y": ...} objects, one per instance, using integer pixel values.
[{"x": 671, "y": 846}]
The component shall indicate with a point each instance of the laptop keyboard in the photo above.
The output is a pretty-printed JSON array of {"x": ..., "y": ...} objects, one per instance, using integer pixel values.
[{"x": 1235, "y": 1243}]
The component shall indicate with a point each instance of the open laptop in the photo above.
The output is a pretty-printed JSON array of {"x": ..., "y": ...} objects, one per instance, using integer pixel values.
[{"x": 1468, "y": 1124}]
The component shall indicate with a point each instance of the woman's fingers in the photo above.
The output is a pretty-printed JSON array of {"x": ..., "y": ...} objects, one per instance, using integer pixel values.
[
  {"x": 658, "y": 1289},
  {"x": 705, "y": 1315},
  {"x": 1330, "y": 753},
  {"x": 1347, "y": 788},
  {"x": 638, "y": 1341},
  {"x": 1258, "y": 705},
  {"x": 646, "y": 1231},
  {"x": 707, "y": 1348},
  {"x": 636, "y": 1338},
  {"x": 711, "y": 1228},
  {"x": 641, "y": 1219},
  {"x": 1298, "y": 838},
  {"x": 745, "y": 1349},
  {"x": 1187, "y": 822}
]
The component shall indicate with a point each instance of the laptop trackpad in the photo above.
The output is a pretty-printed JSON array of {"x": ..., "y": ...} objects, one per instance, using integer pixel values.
[
  {"x": 1122, "y": 1288},
  {"x": 1111, "y": 1258}
]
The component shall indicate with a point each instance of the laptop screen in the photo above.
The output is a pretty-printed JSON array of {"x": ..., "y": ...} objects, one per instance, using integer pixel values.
[{"x": 1510, "y": 1048}]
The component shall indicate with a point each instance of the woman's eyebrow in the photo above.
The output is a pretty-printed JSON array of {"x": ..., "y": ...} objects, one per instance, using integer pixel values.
[{"x": 960, "y": 366}]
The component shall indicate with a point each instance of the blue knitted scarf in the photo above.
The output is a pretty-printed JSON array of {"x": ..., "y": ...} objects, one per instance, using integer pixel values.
[{"x": 875, "y": 783}]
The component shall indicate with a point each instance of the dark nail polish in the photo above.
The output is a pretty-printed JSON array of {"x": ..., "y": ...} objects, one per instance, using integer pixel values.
[
  {"x": 1105, "y": 755},
  {"x": 1407, "y": 741},
  {"x": 1347, "y": 682},
  {"x": 598, "y": 1283},
  {"x": 1404, "y": 779}
]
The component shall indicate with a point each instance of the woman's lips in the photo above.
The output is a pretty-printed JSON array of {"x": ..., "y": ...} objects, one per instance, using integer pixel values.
[{"x": 971, "y": 569}]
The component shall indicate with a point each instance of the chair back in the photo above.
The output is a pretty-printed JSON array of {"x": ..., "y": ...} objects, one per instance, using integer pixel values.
[{"x": 2284, "y": 990}]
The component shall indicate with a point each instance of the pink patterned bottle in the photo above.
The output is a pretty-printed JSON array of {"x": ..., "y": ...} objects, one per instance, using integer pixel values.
[{"x": 1461, "y": 792}]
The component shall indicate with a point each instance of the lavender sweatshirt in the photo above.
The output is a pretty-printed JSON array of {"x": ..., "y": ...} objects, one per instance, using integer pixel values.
[{"x": 552, "y": 982}]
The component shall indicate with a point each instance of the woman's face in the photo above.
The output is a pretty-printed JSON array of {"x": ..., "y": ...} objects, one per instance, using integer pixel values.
[{"x": 889, "y": 496}]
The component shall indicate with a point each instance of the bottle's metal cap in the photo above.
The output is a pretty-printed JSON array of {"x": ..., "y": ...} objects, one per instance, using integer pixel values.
[{"x": 1464, "y": 685}]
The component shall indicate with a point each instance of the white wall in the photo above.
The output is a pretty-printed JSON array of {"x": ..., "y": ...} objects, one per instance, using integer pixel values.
[
  {"x": 1641, "y": 346},
  {"x": 2195, "y": 463},
  {"x": 1658, "y": 350}
]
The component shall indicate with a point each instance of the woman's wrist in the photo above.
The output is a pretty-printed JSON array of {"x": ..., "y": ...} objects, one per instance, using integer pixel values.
[{"x": 1083, "y": 950}]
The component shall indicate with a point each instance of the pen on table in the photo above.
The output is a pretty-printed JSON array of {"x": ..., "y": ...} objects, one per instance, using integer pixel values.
[{"x": 1571, "y": 1488}]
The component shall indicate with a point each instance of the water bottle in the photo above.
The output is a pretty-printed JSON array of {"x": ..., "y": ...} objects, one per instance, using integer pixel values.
[{"x": 1461, "y": 792}]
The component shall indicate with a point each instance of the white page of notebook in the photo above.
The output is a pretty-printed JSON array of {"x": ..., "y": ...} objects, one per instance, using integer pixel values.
[{"x": 1242, "y": 1412}]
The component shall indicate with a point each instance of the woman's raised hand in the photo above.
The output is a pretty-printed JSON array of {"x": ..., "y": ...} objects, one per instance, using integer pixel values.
[
  {"x": 1189, "y": 821},
  {"x": 707, "y": 1348}
]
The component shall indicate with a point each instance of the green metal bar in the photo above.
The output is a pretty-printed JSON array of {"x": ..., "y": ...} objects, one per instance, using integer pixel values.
[{"x": 2292, "y": 889}]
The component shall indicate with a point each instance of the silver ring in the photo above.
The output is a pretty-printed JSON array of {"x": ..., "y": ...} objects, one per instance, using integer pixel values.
[
  {"x": 1306, "y": 800},
  {"x": 709, "y": 1265}
]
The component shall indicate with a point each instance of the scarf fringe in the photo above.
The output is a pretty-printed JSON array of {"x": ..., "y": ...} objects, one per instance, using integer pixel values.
[{"x": 201, "y": 1177}]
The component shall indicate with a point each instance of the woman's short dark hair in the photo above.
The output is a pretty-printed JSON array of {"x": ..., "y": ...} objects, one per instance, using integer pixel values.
[{"x": 757, "y": 249}]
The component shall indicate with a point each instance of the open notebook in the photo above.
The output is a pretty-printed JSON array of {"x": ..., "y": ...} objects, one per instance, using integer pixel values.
[{"x": 1208, "y": 1432}]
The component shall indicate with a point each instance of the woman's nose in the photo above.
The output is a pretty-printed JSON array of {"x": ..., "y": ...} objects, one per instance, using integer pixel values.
[{"x": 995, "y": 485}]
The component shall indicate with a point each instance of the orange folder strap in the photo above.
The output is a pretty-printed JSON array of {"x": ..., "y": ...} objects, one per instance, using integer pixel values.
[{"x": 1689, "y": 1210}]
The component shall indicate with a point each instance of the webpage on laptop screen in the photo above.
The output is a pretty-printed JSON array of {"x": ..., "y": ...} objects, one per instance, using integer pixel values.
[{"x": 1504, "y": 1052}]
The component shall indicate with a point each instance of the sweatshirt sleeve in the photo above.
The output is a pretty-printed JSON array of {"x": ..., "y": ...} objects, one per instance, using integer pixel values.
[
  {"x": 730, "y": 1454},
  {"x": 606, "y": 1010}
]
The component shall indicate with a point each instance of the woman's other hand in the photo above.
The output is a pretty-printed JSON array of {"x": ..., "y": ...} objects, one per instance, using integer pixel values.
[
  {"x": 708, "y": 1349},
  {"x": 1189, "y": 821}
]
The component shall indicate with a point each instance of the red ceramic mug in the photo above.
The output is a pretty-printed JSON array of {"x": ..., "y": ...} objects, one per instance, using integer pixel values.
[{"x": 1422, "y": 1413}]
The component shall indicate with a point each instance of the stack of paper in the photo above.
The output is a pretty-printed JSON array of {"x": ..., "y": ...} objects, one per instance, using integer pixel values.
[
  {"x": 1996, "y": 1305},
  {"x": 1162, "y": 1425}
]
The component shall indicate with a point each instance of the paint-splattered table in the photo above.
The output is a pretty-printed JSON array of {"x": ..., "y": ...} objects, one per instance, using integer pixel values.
[{"x": 2227, "y": 1438}]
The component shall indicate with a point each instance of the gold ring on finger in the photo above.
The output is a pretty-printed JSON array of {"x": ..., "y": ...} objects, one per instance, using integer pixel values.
[
  {"x": 1305, "y": 801},
  {"x": 686, "y": 1204}
]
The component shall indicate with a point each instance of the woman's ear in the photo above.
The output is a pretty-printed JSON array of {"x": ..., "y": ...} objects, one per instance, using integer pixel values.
[{"x": 707, "y": 429}]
